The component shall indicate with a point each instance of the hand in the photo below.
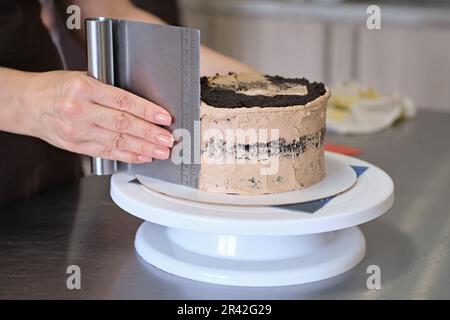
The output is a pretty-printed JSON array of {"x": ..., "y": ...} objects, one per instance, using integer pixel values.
[{"x": 75, "y": 112}]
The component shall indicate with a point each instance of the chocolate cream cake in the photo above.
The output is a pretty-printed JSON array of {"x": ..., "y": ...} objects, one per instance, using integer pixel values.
[{"x": 261, "y": 134}]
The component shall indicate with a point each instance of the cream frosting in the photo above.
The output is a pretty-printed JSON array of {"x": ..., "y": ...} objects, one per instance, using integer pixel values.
[{"x": 297, "y": 133}]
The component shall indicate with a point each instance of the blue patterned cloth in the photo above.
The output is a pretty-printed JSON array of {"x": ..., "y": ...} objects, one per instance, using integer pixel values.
[
  {"x": 305, "y": 207},
  {"x": 313, "y": 206}
]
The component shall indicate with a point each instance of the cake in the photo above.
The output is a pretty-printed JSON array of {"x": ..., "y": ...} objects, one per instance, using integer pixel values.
[{"x": 261, "y": 134}]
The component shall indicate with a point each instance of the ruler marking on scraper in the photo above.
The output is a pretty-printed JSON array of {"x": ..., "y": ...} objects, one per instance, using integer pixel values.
[
  {"x": 195, "y": 102},
  {"x": 191, "y": 91}
]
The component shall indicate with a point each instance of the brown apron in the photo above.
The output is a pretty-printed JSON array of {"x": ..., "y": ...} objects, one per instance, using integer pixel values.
[{"x": 29, "y": 165}]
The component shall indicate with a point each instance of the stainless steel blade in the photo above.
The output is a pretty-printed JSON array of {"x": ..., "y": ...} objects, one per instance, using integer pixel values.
[{"x": 161, "y": 63}]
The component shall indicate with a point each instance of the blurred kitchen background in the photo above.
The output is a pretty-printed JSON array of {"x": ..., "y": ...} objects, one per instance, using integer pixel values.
[{"x": 327, "y": 40}]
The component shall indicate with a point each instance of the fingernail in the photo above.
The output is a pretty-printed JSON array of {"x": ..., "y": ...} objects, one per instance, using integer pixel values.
[
  {"x": 165, "y": 140},
  {"x": 161, "y": 153},
  {"x": 144, "y": 159},
  {"x": 161, "y": 118}
]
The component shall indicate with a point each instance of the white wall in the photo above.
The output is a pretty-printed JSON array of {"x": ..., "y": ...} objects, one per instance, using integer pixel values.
[{"x": 409, "y": 55}]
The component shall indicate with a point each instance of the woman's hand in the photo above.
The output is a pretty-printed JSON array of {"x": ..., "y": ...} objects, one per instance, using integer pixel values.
[{"x": 73, "y": 111}]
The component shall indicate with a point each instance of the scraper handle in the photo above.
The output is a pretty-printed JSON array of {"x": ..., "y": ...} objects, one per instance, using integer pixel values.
[{"x": 100, "y": 58}]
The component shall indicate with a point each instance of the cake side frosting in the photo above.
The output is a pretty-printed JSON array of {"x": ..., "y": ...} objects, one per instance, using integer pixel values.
[{"x": 297, "y": 145}]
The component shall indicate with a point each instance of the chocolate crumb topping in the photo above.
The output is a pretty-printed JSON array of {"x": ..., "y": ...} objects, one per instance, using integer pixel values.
[{"x": 226, "y": 96}]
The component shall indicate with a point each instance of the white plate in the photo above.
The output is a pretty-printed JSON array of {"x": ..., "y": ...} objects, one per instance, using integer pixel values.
[
  {"x": 339, "y": 177},
  {"x": 370, "y": 197}
]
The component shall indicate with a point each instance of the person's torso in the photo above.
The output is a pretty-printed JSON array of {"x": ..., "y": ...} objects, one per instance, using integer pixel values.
[
  {"x": 25, "y": 44},
  {"x": 28, "y": 164}
]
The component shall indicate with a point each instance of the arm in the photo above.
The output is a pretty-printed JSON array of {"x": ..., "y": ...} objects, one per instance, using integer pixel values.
[
  {"x": 211, "y": 62},
  {"x": 78, "y": 113},
  {"x": 12, "y": 99}
]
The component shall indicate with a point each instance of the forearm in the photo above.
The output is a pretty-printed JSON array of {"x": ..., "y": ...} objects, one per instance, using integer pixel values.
[
  {"x": 14, "y": 108},
  {"x": 211, "y": 61},
  {"x": 75, "y": 112}
]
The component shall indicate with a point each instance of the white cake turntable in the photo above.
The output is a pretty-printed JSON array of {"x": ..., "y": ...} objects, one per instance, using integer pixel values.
[{"x": 268, "y": 240}]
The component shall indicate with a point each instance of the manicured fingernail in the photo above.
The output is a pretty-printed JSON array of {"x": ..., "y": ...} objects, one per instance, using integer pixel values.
[
  {"x": 165, "y": 140},
  {"x": 144, "y": 159},
  {"x": 161, "y": 153},
  {"x": 161, "y": 118}
]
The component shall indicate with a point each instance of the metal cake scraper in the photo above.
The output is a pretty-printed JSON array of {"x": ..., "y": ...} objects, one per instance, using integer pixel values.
[{"x": 159, "y": 63}]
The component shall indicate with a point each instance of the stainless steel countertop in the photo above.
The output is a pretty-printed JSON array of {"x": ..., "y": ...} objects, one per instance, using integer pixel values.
[{"x": 79, "y": 224}]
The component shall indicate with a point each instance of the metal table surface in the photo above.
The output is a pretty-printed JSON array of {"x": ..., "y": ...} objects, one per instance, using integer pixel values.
[{"x": 79, "y": 224}]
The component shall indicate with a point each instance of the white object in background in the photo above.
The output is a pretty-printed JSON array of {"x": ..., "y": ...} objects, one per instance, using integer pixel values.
[
  {"x": 255, "y": 246},
  {"x": 354, "y": 109},
  {"x": 338, "y": 178}
]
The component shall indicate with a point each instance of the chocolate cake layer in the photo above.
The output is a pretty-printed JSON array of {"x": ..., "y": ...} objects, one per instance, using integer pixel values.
[
  {"x": 261, "y": 134},
  {"x": 231, "y": 94},
  {"x": 280, "y": 147}
]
